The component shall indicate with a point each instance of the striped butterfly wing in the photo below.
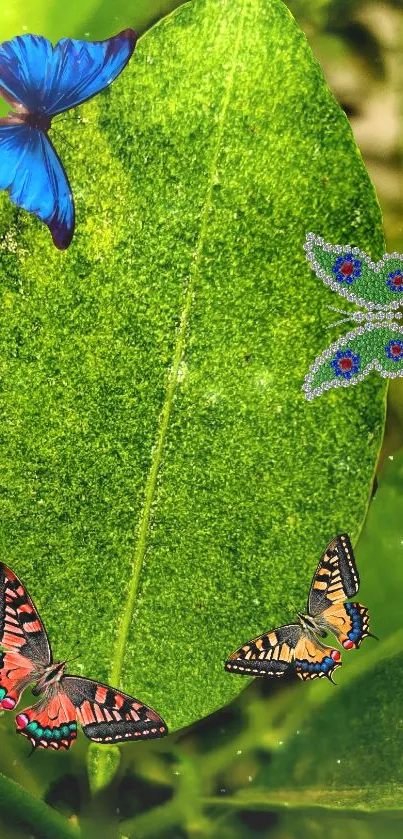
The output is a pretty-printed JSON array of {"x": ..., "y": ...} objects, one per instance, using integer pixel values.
[
  {"x": 270, "y": 654},
  {"x": 336, "y": 579},
  {"x": 314, "y": 660},
  {"x": 23, "y": 638},
  {"x": 109, "y": 716},
  {"x": 275, "y": 652},
  {"x": 349, "y": 622}
]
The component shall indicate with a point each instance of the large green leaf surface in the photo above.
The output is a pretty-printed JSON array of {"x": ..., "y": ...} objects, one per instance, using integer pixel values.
[{"x": 165, "y": 487}]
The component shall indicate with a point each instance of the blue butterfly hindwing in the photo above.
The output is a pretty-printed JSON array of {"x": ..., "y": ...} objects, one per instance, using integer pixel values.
[{"x": 40, "y": 81}]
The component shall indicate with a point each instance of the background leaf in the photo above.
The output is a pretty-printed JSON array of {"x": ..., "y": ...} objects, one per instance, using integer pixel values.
[
  {"x": 95, "y": 19},
  {"x": 157, "y": 451}
]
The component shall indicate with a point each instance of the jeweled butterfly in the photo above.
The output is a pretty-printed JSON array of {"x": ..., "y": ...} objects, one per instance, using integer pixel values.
[
  {"x": 105, "y": 714},
  {"x": 296, "y": 645},
  {"x": 377, "y": 341}
]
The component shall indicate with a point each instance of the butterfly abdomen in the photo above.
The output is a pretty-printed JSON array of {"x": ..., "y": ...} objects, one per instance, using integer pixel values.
[{"x": 41, "y": 121}]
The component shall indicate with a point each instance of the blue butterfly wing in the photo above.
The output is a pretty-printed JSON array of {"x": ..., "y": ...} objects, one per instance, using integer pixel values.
[
  {"x": 85, "y": 68},
  {"x": 24, "y": 65},
  {"x": 49, "y": 80},
  {"x": 34, "y": 176}
]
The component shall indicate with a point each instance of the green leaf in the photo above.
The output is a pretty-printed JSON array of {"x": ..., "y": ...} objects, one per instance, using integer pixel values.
[{"x": 166, "y": 489}]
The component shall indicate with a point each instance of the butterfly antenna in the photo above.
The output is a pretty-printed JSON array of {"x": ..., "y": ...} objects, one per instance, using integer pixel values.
[
  {"x": 341, "y": 312},
  {"x": 70, "y": 145},
  {"x": 371, "y": 635},
  {"x": 68, "y": 117},
  {"x": 74, "y": 647},
  {"x": 337, "y": 323},
  {"x": 68, "y": 660}
]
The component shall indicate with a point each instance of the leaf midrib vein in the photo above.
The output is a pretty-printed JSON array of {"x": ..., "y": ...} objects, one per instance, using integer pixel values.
[{"x": 145, "y": 515}]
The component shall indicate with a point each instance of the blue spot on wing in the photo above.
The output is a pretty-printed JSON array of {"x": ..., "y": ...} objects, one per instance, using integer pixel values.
[
  {"x": 357, "y": 613},
  {"x": 316, "y": 667}
]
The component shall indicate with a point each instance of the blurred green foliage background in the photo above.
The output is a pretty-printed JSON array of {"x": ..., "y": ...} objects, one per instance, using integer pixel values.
[{"x": 283, "y": 761}]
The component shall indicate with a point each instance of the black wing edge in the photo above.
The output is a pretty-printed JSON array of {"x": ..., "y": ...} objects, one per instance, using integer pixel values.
[{"x": 283, "y": 640}]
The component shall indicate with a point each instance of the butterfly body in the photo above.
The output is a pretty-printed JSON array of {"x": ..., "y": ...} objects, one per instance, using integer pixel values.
[
  {"x": 41, "y": 122},
  {"x": 309, "y": 625},
  {"x": 377, "y": 341},
  {"x": 106, "y": 715},
  {"x": 297, "y": 645},
  {"x": 39, "y": 82}
]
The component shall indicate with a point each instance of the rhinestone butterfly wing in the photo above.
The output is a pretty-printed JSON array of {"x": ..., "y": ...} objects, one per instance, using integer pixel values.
[
  {"x": 377, "y": 343},
  {"x": 353, "y": 275},
  {"x": 26, "y": 649},
  {"x": 291, "y": 647}
]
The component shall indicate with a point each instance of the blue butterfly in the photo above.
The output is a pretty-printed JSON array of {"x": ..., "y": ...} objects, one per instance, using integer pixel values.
[{"x": 40, "y": 81}]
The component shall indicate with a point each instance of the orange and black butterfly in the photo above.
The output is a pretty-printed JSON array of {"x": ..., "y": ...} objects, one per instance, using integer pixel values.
[
  {"x": 105, "y": 714},
  {"x": 297, "y": 645}
]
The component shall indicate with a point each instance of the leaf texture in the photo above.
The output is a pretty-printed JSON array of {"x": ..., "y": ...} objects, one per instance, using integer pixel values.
[{"x": 165, "y": 488}]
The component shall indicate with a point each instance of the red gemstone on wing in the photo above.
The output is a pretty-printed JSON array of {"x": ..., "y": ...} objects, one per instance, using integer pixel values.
[
  {"x": 348, "y": 645},
  {"x": 347, "y": 269},
  {"x": 335, "y": 655},
  {"x": 22, "y": 720},
  {"x": 346, "y": 363},
  {"x": 396, "y": 349}
]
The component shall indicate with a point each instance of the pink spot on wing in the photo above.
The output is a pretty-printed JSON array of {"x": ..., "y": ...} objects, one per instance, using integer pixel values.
[
  {"x": 7, "y": 703},
  {"x": 348, "y": 645},
  {"x": 335, "y": 655},
  {"x": 22, "y": 720}
]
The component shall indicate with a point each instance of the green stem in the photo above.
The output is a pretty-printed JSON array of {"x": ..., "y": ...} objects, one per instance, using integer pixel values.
[
  {"x": 21, "y": 808},
  {"x": 292, "y": 801},
  {"x": 185, "y": 807}
]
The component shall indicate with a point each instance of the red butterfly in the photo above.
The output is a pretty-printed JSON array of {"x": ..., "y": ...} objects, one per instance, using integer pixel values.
[{"x": 106, "y": 715}]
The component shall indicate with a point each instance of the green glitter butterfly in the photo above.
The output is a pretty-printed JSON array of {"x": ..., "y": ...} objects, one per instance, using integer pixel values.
[{"x": 377, "y": 343}]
